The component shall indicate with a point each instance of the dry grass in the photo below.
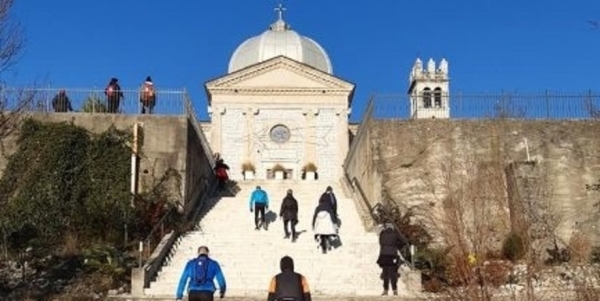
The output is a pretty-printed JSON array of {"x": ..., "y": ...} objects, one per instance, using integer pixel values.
[{"x": 477, "y": 200}]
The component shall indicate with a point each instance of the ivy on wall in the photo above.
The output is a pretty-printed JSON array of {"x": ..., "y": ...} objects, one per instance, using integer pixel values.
[{"x": 65, "y": 182}]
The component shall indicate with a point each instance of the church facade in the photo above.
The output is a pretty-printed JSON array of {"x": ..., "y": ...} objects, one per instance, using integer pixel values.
[{"x": 280, "y": 107}]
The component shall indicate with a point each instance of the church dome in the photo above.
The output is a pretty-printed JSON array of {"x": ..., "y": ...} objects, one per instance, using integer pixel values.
[{"x": 278, "y": 40}]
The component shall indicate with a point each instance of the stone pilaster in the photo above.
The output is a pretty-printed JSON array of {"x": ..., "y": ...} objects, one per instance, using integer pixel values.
[
  {"x": 216, "y": 133},
  {"x": 342, "y": 137},
  {"x": 310, "y": 135}
]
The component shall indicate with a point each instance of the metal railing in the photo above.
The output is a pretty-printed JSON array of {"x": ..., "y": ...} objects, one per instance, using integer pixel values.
[
  {"x": 546, "y": 105},
  {"x": 355, "y": 185},
  {"x": 168, "y": 102},
  {"x": 191, "y": 113}
]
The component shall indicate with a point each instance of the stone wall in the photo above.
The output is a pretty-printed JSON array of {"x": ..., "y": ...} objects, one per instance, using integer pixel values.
[
  {"x": 422, "y": 161},
  {"x": 169, "y": 142}
]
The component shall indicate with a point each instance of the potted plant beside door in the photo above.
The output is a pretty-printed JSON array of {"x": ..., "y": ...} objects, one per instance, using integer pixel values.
[
  {"x": 310, "y": 171},
  {"x": 248, "y": 170},
  {"x": 279, "y": 171}
]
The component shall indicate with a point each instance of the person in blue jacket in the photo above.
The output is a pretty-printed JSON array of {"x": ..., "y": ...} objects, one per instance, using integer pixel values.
[
  {"x": 259, "y": 202},
  {"x": 199, "y": 275}
]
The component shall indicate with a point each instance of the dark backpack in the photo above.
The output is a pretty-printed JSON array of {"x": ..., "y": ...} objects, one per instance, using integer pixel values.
[{"x": 200, "y": 275}]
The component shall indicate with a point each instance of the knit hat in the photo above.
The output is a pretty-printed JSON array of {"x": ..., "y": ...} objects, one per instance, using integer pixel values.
[
  {"x": 286, "y": 263},
  {"x": 203, "y": 250},
  {"x": 329, "y": 188},
  {"x": 148, "y": 79},
  {"x": 289, "y": 191}
]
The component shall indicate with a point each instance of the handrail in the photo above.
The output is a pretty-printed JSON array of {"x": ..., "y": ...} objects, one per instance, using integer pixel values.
[
  {"x": 160, "y": 225},
  {"x": 356, "y": 186},
  {"x": 191, "y": 112},
  {"x": 380, "y": 215}
]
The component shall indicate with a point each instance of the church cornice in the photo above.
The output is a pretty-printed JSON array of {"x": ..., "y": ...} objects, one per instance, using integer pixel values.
[
  {"x": 232, "y": 79},
  {"x": 278, "y": 91}
]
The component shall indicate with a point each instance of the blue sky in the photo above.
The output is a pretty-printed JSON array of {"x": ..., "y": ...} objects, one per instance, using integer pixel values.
[{"x": 491, "y": 46}]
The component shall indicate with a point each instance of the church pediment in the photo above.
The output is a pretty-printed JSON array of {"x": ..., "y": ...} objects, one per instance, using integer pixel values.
[{"x": 280, "y": 73}]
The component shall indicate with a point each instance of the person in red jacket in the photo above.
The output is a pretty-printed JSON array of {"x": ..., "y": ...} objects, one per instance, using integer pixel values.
[{"x": 221, "y": 172}]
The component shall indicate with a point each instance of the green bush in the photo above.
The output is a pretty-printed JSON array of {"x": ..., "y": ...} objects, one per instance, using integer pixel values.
[
  {"x": 513, "y": 247},
  {"x": 93, "y": 105}
]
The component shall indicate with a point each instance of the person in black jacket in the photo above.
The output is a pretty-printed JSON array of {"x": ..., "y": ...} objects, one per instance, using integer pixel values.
[
  {"x": 330, "y": 198},
  {"x": 390, "y": 243},
  {"x": 113, "y": 95},
  {"x": 288, "y": 285},
  {"x": 289, "y": 213},
  {"x": 61, "y": 102}
]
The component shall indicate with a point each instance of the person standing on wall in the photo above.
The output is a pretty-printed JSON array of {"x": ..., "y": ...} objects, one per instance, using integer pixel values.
[
  {"x": 61, "y": 102},
  {"x": 148, "y": 96},
  {"x": 259, "y": 202},
  {"x": 289, "y": 213},
  {"x": 113, "y": 95}
]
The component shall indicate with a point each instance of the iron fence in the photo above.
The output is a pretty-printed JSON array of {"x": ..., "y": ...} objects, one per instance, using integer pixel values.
[
  {"x": 548, "y": 105},
  {"x": 168, "y": 102}
]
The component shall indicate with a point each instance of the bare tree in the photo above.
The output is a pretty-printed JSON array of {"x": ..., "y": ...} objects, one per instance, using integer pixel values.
[
  {"x": 12, "y": 101},
  {"x": 11, "y": 36}
]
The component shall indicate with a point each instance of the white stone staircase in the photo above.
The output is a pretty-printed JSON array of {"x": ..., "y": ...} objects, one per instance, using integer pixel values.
[{"x": 249, "y": 258}]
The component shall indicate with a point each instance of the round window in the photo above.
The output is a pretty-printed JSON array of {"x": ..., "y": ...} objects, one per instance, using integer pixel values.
[{"x": 280, "y": 133}]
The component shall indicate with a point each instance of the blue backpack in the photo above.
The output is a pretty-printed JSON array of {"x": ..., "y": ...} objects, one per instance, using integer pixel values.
[{"x": 201, "y": 270}]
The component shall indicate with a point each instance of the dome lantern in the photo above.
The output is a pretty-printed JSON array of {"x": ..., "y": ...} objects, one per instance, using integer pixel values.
[{"x": 278, "y": 40}]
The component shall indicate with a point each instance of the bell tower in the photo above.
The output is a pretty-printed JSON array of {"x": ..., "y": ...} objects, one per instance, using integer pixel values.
[{"x": 429, "y": 90}]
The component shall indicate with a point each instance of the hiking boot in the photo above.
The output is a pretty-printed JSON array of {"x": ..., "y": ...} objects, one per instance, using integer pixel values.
[
  {"x": 286, "y": 236},
  {"x": 395, "y": 292},
  {"x": 385, "y": 293},
  {"x": 257, "y": 228}
]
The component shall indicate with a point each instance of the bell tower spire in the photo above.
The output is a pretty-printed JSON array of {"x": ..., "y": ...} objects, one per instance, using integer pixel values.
[{"x": 429, "y": 90}]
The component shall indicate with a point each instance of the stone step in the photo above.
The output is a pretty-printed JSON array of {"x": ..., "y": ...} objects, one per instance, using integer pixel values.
[{"x": 250, "y": 258}]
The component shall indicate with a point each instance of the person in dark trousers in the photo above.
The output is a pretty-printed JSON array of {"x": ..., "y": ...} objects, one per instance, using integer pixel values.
[
  {"x": 61, "y": 102},
  {"x": 288, "y": 285},
  {"x": 199, "y": 276},
  {"x": 324, "y": 224},
  {"x": 147, "y": 96},
  {"x": 259, "y": 202},
  {"x": 390, "y": 243},
  {"x": 113, "y": 95},
  {"x": 221, "y": 172},
  {"x": 289, "y": 213},
  {"x": 329, "y": 196}
]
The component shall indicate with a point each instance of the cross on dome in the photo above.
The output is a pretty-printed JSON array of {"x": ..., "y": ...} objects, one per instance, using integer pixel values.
[{"x": 280, "y": 9}]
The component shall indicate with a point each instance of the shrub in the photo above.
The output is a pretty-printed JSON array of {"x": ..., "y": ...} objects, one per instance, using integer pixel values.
[
  {"x": 248, "y": 166},
  {"x": 581, "y": 248},
  {"x": 309, "y": 167},
  {"x": 93, "y": 105},
  {"x": 278, "y": 167},
  {"x": 513, "y": 247}
]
